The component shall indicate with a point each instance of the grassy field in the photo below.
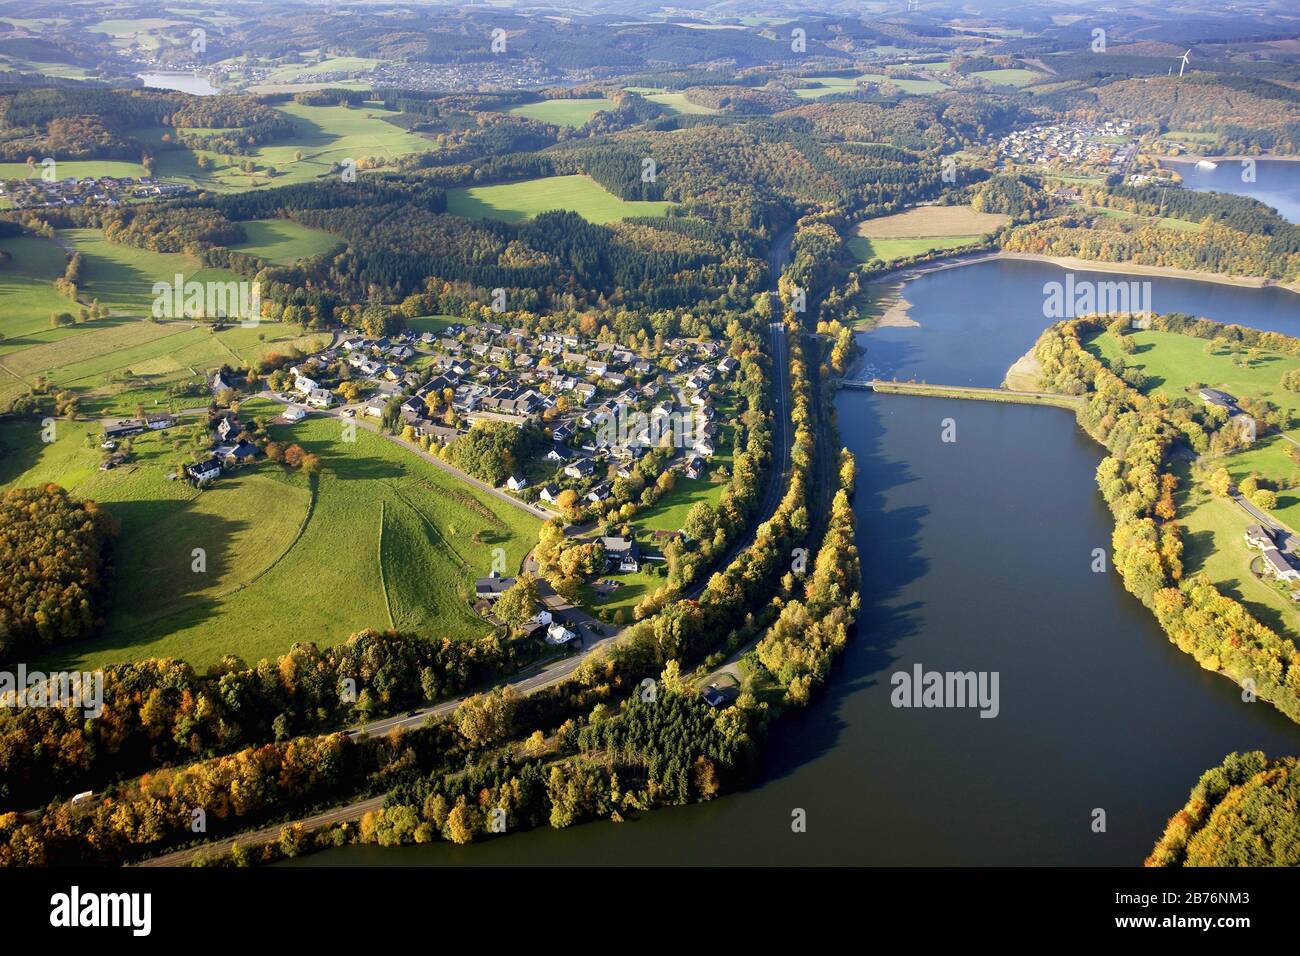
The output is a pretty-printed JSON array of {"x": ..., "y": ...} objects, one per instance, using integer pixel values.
[
  {"x": 920, "y": 230},
  {"x": 1190, "y": 136},
  {"x": 79, "y": 168},
  {"x": 1164, "y": 222},
  {"x": 380, "y": 536},
  {"x": 1176, "y": 365},
  {"x": 1014, "y": 77},
  {"x": 326, "y": 135},
  {"x": 1214, "y": 543},
  {"x": 118, "y": 362},
  {"x": 572, "y": 113},
  {"x": 888, "y": 250},
  {"x": 676, "y": 103},
  {"x": 827, "y": 85},
  {"x": 514, "y": 202},
  {"x": 26, "y": 289},
  {"x": 334, "y": 64},
  {"x": 431, "y": 323},
  {"x": 121, "y": 277},
  {"x": 284, "y": 241},
  {"x": 669, "y": 513}
]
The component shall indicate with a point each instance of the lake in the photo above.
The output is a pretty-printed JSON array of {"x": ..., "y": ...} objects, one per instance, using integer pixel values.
[
  {"x": 1277, "y": 181},
  {"x": 975, "y": 556},
  {"x": 977, "y": 319},
  {"x": 195, "y": 83}
]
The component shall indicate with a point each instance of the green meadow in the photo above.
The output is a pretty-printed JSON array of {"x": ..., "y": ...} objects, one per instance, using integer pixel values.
[
  {"x": 26, "y": 287},
  {"x": 676, "y": 103},
  {"x": 513, "y": 202},
  {"x": 1176, "y": 365},
  {"x": 334, "y": 64},
  {"x": 379, "y": 538},
  {"x": 284, "y": 241},
  {"x": 827, "y": 85},
  {"x": 887, "y": 250},
  {"x": 1214, "y": 531},
  {"x": 122, "y": 277},
  {"x": 119, "y": 362},
  {"x": 572, "y": 113},
  {"x": 325, "y": 135},
  {"x": 1011, "y": 77},
  {"x": 76, "y": 168}
]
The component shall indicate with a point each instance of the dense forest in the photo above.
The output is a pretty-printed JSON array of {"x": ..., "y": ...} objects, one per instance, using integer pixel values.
[
  {"x": 1240, "y": 813},
  {"x": 55, "y": 553}
]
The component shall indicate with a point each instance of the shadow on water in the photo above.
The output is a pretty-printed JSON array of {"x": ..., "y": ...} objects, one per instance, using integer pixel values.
[{"x": 889, "y": 546}]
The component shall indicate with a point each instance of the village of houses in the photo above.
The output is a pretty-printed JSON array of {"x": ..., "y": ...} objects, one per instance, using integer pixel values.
[
  {"x": 41, "y": 193},
  {"x": 602, "y": 406}
]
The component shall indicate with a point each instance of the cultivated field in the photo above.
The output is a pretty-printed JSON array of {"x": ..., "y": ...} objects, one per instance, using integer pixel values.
[
  {"x": 920, "y": 230},
  {"x": 379, "y": 538},
  {"x": 514, "y": 202}
]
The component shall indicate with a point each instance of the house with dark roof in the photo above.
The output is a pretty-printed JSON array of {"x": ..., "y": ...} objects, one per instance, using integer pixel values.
[
  {"x": 492, "y": 587},
  {"x": 204, "y": 471},
  {"x": 622, "y": 553}
]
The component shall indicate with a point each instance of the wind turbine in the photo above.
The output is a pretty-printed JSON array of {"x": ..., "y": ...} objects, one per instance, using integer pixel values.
[{"x": 1183, "y": 65}]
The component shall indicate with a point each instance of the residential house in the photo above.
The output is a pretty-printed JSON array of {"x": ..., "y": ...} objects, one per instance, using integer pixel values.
[
  {"x": 124, "y": 427},
  {"x": 557, "y": 634},
  {"x": 581, "y": 468},
  {"x": 492, "y": 587},
  {"x": 622, "y": 553},
  {"x": 204, "y": 471},
  {"x": 1276, "y": 565}
]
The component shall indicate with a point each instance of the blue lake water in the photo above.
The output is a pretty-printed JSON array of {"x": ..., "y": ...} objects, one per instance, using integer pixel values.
[{"x": 1276, "y": 181}]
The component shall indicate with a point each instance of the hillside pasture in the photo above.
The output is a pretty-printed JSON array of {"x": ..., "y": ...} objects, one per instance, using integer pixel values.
[
  {"x": 514, "y": 202},
  {"x": 378, "y": 537}
]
